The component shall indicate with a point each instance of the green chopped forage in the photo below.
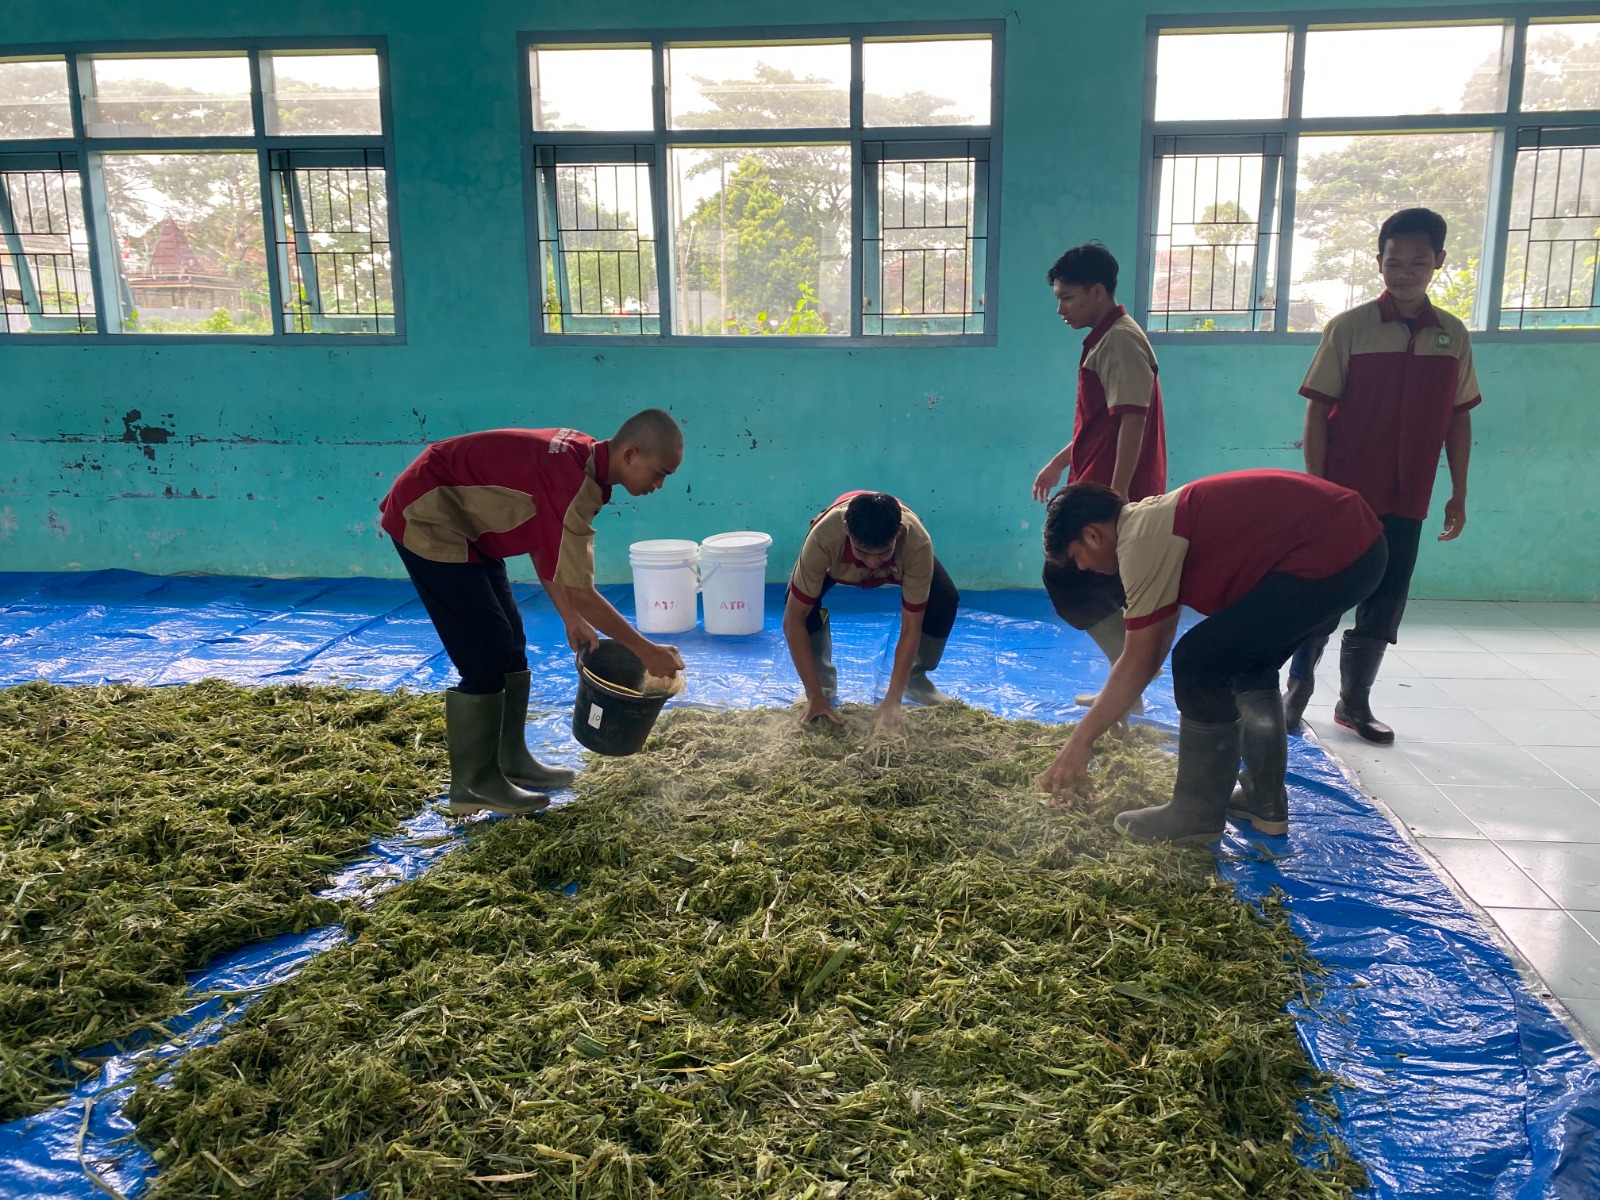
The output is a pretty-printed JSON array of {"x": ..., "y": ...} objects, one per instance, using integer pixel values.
[
  {"x": 143, "y": 831},
  {"x": 799, "y": 963}
]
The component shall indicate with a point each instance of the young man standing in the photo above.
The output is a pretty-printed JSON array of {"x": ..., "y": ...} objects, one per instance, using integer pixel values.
[
  {"x": 1118, "y": 436},
  {"x": 1267, "y": 557},
  {"x": 1390, "y": 385},
  {"x": 455, "y": 515},
  {"x": 868, "y": 539}
]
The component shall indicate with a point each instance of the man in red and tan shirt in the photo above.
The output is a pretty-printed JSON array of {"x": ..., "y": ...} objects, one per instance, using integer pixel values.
[
  {"x": 1269, "y": 558},
  {"x": 455, "y": 515},
  {"x": 868, "y": 540},
  {"x": 1118, "y": 435},
  {"x": 1390, "y": 386}
]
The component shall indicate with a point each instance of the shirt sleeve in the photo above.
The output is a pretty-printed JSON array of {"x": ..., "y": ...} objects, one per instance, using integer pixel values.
[
  {"x": 816, "y": 556},
  {"x": 575, "y": 558},
  {"x": 1329, "y": 366},
  {"x": 1127, "y": 373},
  {"x": 1150, "y": 562},
  {"x": 1467, "y": 395},
  {"x": 916, "y": 570}
]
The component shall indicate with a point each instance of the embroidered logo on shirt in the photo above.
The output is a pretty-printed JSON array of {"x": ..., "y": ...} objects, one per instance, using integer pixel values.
[
  {"x": 1442, "y": 340},
  {"x": 562, "y": 440}
]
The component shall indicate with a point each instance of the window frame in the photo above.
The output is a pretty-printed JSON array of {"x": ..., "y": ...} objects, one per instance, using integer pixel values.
[
  {"x": 855, "y": 134},
  {"x": 1505, "y": 126},
  {"x": 265, "y": 146}
]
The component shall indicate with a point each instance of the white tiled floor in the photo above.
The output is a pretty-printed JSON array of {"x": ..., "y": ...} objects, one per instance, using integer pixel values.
[{"x": 1496, "y": 770}]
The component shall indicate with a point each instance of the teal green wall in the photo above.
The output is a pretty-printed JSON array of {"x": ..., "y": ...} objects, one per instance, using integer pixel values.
[{"x": 275, "y": 457}]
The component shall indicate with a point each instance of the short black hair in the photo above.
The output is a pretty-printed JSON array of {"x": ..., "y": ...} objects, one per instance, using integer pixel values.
[
  {"x": 1084, "y": 266},
  {"x": 1073, "y": 507},
  {"x": 873, "y": 519},
  {"x": 1415, "y": 220}
]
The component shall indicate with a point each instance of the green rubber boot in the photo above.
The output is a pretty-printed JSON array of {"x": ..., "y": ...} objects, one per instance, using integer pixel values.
[
  {"x": 516, "y": 763},
  {"x": 1260, "y": 797},
  {"x": 477, "y": 784},
  {"x": 918, "y": 686},
  {"x": 822, "y": 656},
  {"x": 1208, "y": 759}
]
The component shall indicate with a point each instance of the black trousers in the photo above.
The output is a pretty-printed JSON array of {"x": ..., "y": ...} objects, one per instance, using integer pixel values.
[
  {"x": 1378, "y": 616},
  {"x": 938, "y": 619},
  {"x": 1082, "y": 598},
  {"x": 477, "y": 618},
  {"x": 1241, "y": 648}
]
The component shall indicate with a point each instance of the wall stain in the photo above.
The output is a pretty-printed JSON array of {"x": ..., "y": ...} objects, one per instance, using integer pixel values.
[{"x": 147, "y": 437}]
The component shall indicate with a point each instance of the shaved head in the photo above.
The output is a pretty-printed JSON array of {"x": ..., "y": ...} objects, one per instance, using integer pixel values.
[{"x": 652, "y": 432}]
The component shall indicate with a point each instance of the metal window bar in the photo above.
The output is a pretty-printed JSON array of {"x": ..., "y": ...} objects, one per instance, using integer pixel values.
[
  {"x": 1212, "y": 261},
  {"x": 46, "y": 285},
  {"x": 924, "y": 238},
  {"x": 1552, "y": 270},
  {"x": 331, "y": 221},
  {"x": 597, "y": 249}
]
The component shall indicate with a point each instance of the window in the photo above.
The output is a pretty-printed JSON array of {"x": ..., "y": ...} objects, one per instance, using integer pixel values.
[
  {"x": 1276, "y": 152},
  {"x": 242, "y": 190},
  {"x": 830, "y": 186}
]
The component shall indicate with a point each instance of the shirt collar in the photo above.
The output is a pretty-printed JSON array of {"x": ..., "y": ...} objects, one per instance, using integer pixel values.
[
  {"x": 1390, "y": 312},
  {"x": 599, "y": 466},
  {"x": 1104, "y": 327}
]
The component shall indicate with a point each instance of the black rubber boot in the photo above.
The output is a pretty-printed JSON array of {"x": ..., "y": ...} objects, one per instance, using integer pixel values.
[
  {"x": 477, "y": 784},
  {"x": 1110, "y": 634},
  {"x": 1302, "y": 681},
  {"x": 918, "y": 686},
  {"x": 1359, "y": 660},
  {"x": 1260, "y": 797},
  {"x": 516, "y": 763},
  {"x": 822, "y": 656},
  {"x": 1208, "y": 760}
]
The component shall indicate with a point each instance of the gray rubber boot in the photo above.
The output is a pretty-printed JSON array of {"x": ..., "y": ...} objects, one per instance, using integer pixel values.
[
  {"x": 822, "y": 656},
  {"x": 1260, "y": 797},
  {"x": 472, "y": 733},
  {"x": 1302, "y": 681},
  {"x": 516, "y": 762},
  {"x": 1208, "y": 759},
  {"x": 918, "y": 686},
  {"x": 1110, "y": 634},
  {"x": 1359, "y": 660}
]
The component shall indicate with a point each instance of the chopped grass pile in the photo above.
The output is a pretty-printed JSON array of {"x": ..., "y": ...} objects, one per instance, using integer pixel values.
[
  {"x": 799, "y": 963},
  {"x": 143, "y": 831}
]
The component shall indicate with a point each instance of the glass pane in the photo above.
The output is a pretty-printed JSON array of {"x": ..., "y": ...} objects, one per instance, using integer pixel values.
[
  {"x": 1554, "y": 240},
  {"x": 929, "y": 246},
  {"x": 898, "y": 77},
  {"x": 168, "y": 97},
  {"x": 758, "y": 87},
  {"x": 45, "y": 280},
  {"x": 1349, "y": 185},
  {"x": 597, "y": 249},
  {"x": 762, "y": 240},
  {"x": 1209, "y": 271},
  {"x": 322, "y": 93},
  {"x": 188, "y": 231},
  {"x": 1222, "y": 76},
  {"x": 34, "y": 101},
  {"x": 1563, "y": 71},
  {"x": 592, "y": 89},
  {"x": 1394, "y": 72},
  {"x": 334, "y": 242}
]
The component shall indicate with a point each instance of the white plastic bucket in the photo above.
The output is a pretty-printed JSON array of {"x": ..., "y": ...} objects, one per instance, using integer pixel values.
[
  {"x": 733, "y": 581},
  {"x": 664, "y": 584}
]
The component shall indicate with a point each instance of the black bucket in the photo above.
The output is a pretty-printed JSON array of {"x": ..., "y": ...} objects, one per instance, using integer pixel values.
[{"x": 612, "y": 716}]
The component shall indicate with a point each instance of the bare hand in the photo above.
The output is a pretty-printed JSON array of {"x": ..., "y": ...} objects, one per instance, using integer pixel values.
[
  {"x": 817, "y": 709},
  {"x": 581, "y": 635},
  {"x": 1045, "y": 482},
  {"x": 1067, "y": 777},
  {"x": 661, "y": 661},
  {"x": 1455, "y": 519},
  {"x": 891, "y": 717}
]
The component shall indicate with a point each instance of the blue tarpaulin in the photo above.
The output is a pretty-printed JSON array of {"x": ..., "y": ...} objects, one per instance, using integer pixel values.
[{"x": 1461, "y": 1082}]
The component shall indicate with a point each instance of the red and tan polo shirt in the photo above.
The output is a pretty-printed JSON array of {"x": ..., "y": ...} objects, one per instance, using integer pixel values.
[
  {"x": 827, "y": 554},
  {"x": 1391, "y": 395},
  {"x": 1210, "y": 542},
  {"x": 1117, "y": 375},
  {"x": 502, "y": 493}
]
